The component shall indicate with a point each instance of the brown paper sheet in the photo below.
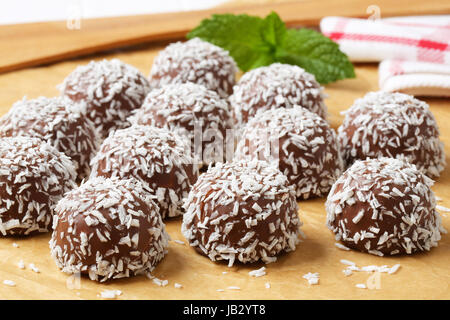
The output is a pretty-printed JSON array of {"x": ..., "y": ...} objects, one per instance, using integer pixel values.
[{"x": 421, "y": 276}]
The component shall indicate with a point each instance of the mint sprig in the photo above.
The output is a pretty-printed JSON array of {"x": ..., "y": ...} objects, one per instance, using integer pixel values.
[{"x": 254, "y": 42}]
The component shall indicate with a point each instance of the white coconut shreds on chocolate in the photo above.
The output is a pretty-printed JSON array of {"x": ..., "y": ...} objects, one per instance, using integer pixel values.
[
  {"x": 34, "y": 176},
  {"x": 109, "y": 90},
  {"x": 274, "y": 86},
  {"x": 242, "y": 211},
  {"x": 300, "y": 143},
  {"x": 195, "y": 61},
  {"x": 59, "y": 122},
  {"x": 108, "y": 228},
  {"x": 396, "y": 125},
  {"x": 384, "y": 206},
  {"x": 185, "y": 108},
  {"x": 153, "y": 155}
]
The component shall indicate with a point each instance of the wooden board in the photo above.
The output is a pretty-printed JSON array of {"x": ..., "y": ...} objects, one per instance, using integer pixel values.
[
  {"x": 33, "y": 44},
  {"x": 421, "y": 276}
]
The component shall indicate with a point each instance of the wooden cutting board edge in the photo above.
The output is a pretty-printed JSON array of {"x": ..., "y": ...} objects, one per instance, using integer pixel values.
[{"x": 100, "y": 34}]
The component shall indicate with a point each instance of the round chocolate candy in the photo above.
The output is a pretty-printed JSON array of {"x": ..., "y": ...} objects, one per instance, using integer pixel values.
[
  {"x": 384, "y": 206},
  {"x": 242, "y": 211},
  {"x": 34, "y": 176},
  {"x": 154, "y": 156},
  {"x": 108, "y": 228},
  {"x": 109, "y": 90},
  {"x": 195, "y": 61},
  {"x": 275, "y": 86},
  {"x": 300, "y": 142},
  {"x": 58, "y": 121},
  {"x": 192, "y": 111},
  {"x": 397, "y": 125}
]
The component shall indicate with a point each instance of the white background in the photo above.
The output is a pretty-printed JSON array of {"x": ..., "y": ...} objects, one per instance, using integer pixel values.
[{"x": 23, "y": 11}]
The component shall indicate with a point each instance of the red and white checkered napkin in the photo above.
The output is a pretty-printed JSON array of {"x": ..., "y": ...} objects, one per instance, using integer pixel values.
[
  {"x": 415, "y": 51},
  {"x": 414, "y": 77}
]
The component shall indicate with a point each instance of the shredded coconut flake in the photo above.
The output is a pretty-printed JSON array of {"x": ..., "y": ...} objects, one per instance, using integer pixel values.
[
  {"x": 21, "y": 264},
  {"x": 347, "y": 272},
  {"x": 341, "y": 246},
  {"x": 258, "y": 273},
  {"x": 9, "y": 283},
  {"x": 312, "y": 278},
  {"x": 33, "y": 267},
  {"x": 110, "y": 294},
  {"x": 394, "y": 269},
  {"x": 348, "y": 262},
  {"x": 159, "y": 282},
  {"x": 442, "y": 208}
]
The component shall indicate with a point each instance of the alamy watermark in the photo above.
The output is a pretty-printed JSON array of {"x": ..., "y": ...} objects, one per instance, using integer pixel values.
[
  {"x": 211, "y": 145},
  {"x": 374, "y": 11},
  {"x": 74, "y": 15}
]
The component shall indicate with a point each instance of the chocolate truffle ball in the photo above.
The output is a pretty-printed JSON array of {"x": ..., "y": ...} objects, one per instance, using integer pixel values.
[
  {"x": 109, "y": 90},
  {"x": 195, "y": 61},
  {"x": 58, "y": 121},
  {"x": 394, "y": 125},
  {"x": 192, "y": 111},
  {"x": 154, "y": 156},
  {"x": 274, "y": 86},
  {"x": 384, "y": 207},
  {"x": 108, "y": 229},
  {"x": 242, "y": 211},
  {"x": 300, "y": 143},
  {"x": 34, "y": 176}
]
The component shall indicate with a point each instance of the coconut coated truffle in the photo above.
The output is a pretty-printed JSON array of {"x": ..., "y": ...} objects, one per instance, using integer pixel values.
[
  {"x": 195, "y": 61},
  {"x": 185, "y": 108},
  {"x": 108, "y": 229},
  {"x": 384, "y": 206},
  {"x": 154, "y": 156},
  {"x": 300, "y": 142},
  {"x": 34, "y": 176},
  {"x": 109, "y": 90},
  {"x": 275, "y": 86},
  {"x": 242, "y": 211},
  {"x": 397, "y": 125},
  {"x": 58, "y": 121}
]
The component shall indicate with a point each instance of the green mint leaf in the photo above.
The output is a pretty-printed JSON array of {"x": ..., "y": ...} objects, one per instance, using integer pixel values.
[
  {"x": 255, "y": 42},
  {"x": 273, "y": 30},
  {"x": 238, "y": 34},
  {"x": 316, "y": 54}
]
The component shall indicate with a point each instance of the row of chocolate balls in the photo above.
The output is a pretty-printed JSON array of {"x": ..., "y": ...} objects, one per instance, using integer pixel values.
[
  {"x": 316, "y": 143},
  {"x": 106, "y": 92},
  {"x": 302, "y": 143},
  {"x": 58, "y": 122},
  {"x": 244, "y": 210},
  {"x": 110, "y": 90}
]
